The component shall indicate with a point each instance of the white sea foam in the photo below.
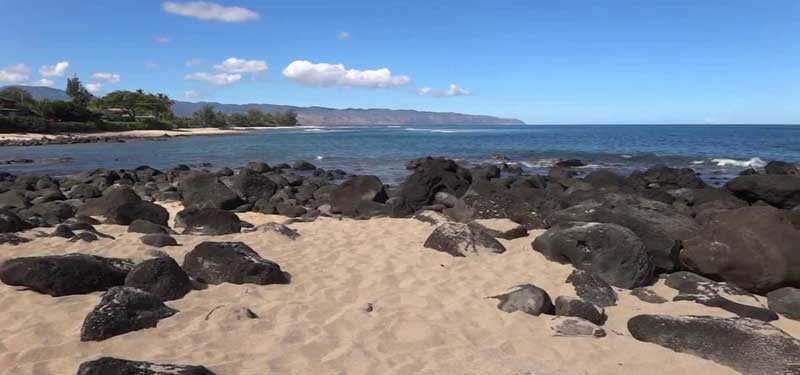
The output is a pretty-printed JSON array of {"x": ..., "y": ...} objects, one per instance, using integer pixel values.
[{"x": 752, "y": 163}]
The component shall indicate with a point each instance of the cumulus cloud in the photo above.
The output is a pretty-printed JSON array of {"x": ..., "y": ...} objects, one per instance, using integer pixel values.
[
  {"x": 449, "y": 92},
  {"x": 94, "y": 87},
  {"x": 337, "y": 75},
  {"x": 193, "y": 62},
  {"x": 56, "y": 70},
  {"x": 343, "y": 35},
  {"x": 210, "y": 11},
  {"x": 192, "y": 94},
  {"x": 15, "y": 73},
  {"x": 235, "y": 65},
  {"x": 220, "y": 79},
  {"x": 44, "y": 82},
  {"x": 162, "y": 39},
  {"x": 106, "y": 77}
]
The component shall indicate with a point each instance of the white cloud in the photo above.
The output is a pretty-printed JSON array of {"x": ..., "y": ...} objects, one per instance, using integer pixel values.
[
  {"x": 151, "y": 65},
  {"x": 193, "y": 62},
  {"x": 210, "y": 11},
  {"x": 220, "y": 79},
  {"x": 15, "y": 73},
  {"x": 106, "y": 77},
  {"x": 162, "y": 39},
  {"x": 44, "y": 82},
  {"x": 56, "y": 70},
  {"x": 234, "y": 65},
  {"x": 329, "y": 75},
  {"x": 449, "y": 92},
  {"x": 94, "y": 87},
  {"x": 192, "y": 94},
  {"x": 343, "y": 35}
]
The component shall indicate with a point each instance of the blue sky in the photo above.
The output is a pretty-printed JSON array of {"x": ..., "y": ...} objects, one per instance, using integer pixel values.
[{"x": 614, "y": 61}]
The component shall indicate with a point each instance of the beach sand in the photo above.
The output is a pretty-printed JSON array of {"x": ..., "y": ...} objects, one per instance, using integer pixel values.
[
  {"x": 143, "y": 133},
  {"x": 429, "y": 314}
]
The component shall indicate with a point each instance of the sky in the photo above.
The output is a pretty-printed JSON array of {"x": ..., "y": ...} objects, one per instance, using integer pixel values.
[{"x": 544, "y": 62}]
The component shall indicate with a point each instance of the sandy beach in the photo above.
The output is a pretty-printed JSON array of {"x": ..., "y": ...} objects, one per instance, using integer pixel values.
[{"x": 429, "y": 315}]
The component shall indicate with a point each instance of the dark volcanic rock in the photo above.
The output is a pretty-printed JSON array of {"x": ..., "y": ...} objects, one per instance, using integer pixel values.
[
  {"x": 753, "y": 247},
  {"x": 231, "y": 262},
  {"x": 302, "y": 165},
  {"x": 114, "y": 366},
  {"x": 275, "y": 228},
  {"x": 610, "y": 251},
  {"x": 431, "y": 175},
  {"x": 12, "y": 239},
  {"x": 359, "y": 195},
  {"x": 122, "y": 206},
  {"x": 592, "y": 288},
  {"x": 502, "y": 228},
  {"x": 746, "y": 345},
  {"x": 158, "y": 240},
  {"x": 785, "y": 301},
  {"x": 53, "y": 212},
  {"x": 569, "y": 163},
  {"x": 707, "y": 292},
  {"x": 208, "y": 221},
  {"x": 781, "y": 167},
  {"x": 527, "y": 298},
  {"x": 10, "y": 222},
  {"x": 657, "y": 224},
  {"x": 162, "y": 277},
  {"x": 121, "y": 310},
  {"x": 462, "y": 240},
  {"x": 146, "y": 227},
  {"x": 205, "y": 190},
  {"x": 61, "y": 275},
  {"x": 648, "y": 295},
  {"x": 252, "y": 185},
  {"x": 576, "y": 307},
  {"x": 14, "y": 199},
  {"x": 782, "y": 191},
  {"x": 84, "y": 191},
  {"x": 663, "y": 177}
]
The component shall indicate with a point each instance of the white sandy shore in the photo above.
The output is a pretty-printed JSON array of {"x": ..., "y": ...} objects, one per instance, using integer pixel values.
[
  {"x": 145, "y": 133},
  {"x": 430, "y": 312}
]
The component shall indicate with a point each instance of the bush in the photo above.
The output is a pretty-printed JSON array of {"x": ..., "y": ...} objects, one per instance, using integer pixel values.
[
  {"x": 24, "y": 124},
  {"x": 147, "y": 124}
]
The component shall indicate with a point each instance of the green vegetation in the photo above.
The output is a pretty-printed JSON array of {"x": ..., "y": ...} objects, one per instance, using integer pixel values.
[{"x": 117, "y": 111}]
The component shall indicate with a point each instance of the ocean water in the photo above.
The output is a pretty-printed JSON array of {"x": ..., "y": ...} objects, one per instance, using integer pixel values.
[{"x": 718, "y": 152}]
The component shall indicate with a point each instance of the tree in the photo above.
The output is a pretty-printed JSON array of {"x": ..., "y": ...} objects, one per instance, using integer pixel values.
[
  {"x": 79, "y": 95},
  {"x": 136, "y": 102},
  {"x": 238, "y": 119},
  {"x": 205, "y": 116},
  {"x": 288, "y": 118}
]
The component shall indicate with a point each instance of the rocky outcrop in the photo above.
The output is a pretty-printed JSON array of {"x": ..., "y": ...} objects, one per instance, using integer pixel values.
[
  {"x": 121, "y": 310},
  {"x": 785, "y": 301},
  {"x": 62, "y": 275},
  {"x": 782, "y": 191},
  {"x": 115, "y": 366},
  {"x": 753, "y": 247},
  {"x": 431, "y": 175},
  {"x": 359, "y": 196},
  {"x": 204, "y": 190},
  {"x": 161, "y": 277},
  {"x": 461, "y": 240},
  {"x": 527, "y": 298},
  {"x": 231, "y": 262},
  {"x": 207, "y": 221},
  {"x": 610, "y": 251},
  {"x": 746, "y": 345},
  {"x": 592, "y": 288}
]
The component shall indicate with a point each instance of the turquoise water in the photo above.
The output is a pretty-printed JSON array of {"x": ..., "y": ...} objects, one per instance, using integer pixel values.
[{"x": 717, "y": 151}]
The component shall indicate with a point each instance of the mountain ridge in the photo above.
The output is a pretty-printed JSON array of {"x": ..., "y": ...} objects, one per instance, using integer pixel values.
[{"x": 319, "y": 116}]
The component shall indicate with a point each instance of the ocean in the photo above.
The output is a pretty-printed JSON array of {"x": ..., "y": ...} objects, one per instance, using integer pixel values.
[{"x": 717, "y": 152}]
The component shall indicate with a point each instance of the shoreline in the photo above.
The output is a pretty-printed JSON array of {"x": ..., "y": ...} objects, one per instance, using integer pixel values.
[{"x": 41, "y": 139}]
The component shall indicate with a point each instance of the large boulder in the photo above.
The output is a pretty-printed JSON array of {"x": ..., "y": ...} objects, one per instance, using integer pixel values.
[
  {"x": 202, "y": 190},
  {"x": 785, "y": 301},
  {"x": 121, "y": 205},
  {"x": 115, "y": 366},
  {"x": 252, "y": 185},
  {"x": 782, "y": 191},
  {"x": 746, "y": 345},
  {"x": 61, "y": 275},
  {"x": 158, "y": 240},
  {"x": 121, "y": 310},
  {"x": 10, "y": 222},
  {"x": 146, "y": 227},
  {"x": 707, "y": 292},
  {"x": 527, "y": 298},
  {"x": 358, "y": 196},
  {"x": 431, "y": 175},
  {"x": 461, "y": 240},
  {"x": 576, "y": 307},
  {"x": 162, "y": 277},
  {"x": 14, "y": 199},
  {"x": 755, "y": 248},
  {"x": 657, "y": 224},
  {"x": 610, "y": 251},
  {"x": 52, "y": 212},
  {"x": 781, "y": 167},
  {"x": 207, "y": 221},
  {"x": 84, "y": 191},
  {"x": 592, "y": 288},
  {"x": 231, "y": 262},
  {"x": 663, "y": 177},
  {"x": 523, "y": 204}
]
